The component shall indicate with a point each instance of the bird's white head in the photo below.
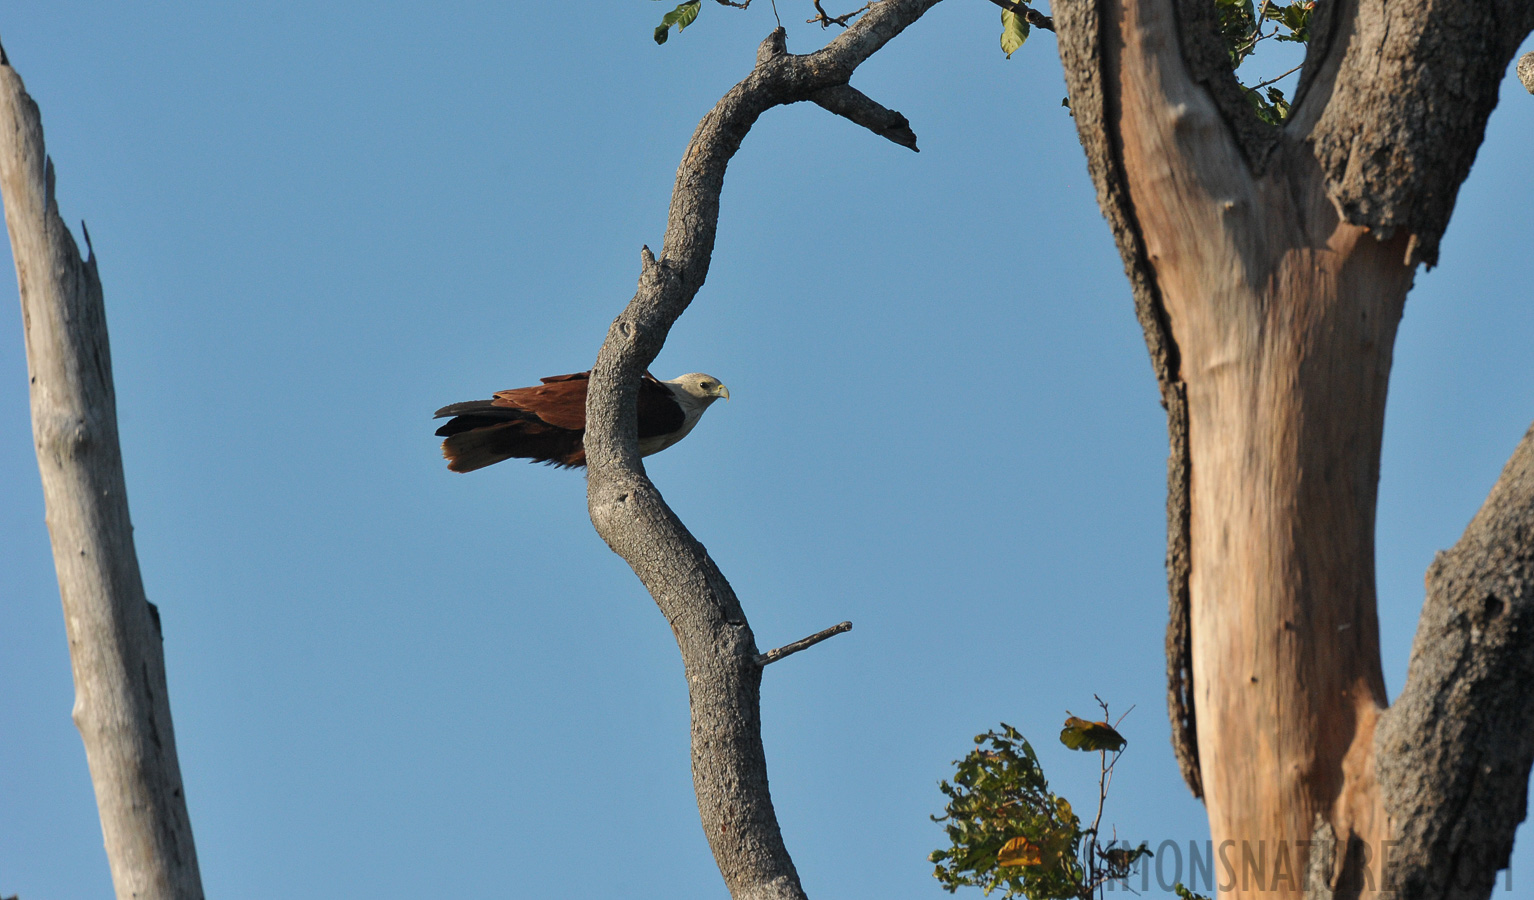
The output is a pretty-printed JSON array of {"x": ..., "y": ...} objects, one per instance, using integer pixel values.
[{"x": 700, "y": 389}]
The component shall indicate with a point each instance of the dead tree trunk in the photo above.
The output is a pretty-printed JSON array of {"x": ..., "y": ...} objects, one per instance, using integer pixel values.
[
  {"x": 121, "y": 707},
  {"x": 1270, "y": 268}
]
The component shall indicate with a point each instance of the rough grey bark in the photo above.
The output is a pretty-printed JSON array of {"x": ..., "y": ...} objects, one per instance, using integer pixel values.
[
  {"x": 1454, "y": 750},
  {"x": 723, "y": 665},
  {"x": 1404, "y": 110},
  {"x": 121, "y": 706}
]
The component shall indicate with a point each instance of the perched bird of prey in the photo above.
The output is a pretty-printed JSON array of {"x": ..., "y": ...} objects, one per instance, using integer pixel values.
[{"x": 547, "y": 422}]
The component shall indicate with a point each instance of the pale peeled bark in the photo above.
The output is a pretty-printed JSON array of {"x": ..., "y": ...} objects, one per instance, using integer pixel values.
[
  {"x": 121, "y": 707},
  {"x": 1285, "y": 317}
]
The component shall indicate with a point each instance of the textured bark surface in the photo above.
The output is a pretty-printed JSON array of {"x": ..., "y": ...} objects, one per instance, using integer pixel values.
[
  {"x": 1405, "y": 111},
  {"x": 718, "y": 650},
  {"x": 1455, "y": 749},
  {"x": 121, "y": 707},
  {"x": 1269, "y": 268}
]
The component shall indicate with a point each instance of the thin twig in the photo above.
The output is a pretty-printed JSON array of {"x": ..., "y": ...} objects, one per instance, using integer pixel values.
[
  {"x": 825, "y": 19},
  {"x": 1263, "y": 84},
  {"x": 1243, "y": 51},
  {"x": 1034, "y": 17},
  {"x": 1104, "y": 781},
  {"x": 772, "y": 656}
]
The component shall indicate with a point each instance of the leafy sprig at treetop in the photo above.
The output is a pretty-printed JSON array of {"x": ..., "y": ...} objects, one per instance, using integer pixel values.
[{"x": 1008, "y": 831}]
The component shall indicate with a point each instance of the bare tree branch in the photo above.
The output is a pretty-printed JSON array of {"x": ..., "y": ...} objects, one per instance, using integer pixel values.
[
  {"x": 772, "y": 656},
  {"x": 851, "y": 103},
  {"x": 1453, "y": 753},
  {"x": 718, "y": 649},
  {"x": 825, "y": 19},
  {"x": 121, "y": 707}
]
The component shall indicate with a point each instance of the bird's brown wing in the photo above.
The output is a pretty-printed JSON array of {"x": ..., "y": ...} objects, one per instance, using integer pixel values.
[
  {"x": 543, "y": 423},
  {"x": 560, "y": 400}
]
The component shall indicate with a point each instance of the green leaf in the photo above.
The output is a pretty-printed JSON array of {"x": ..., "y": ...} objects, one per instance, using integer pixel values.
[
  {"x": 1280, "y": 104},
  {"x": 681, "y": 17},
  {"x": 1272, "y": 110},
  {"x": 1079, "y": 734},
  {"x": 1014, "y": 31},
  {"x": 1295, "y": 17}
]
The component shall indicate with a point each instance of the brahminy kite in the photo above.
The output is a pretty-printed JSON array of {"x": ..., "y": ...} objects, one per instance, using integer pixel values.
[{"x": 547, "y": 422}]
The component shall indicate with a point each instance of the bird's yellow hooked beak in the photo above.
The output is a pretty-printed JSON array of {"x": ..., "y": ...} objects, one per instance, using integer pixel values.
[{"x": 722, "y": 392}]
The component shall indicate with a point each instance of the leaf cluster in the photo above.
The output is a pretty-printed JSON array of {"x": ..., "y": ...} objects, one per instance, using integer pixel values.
[
  {"x": 1006, "y": 828},
  {"x": 1241, "y": 25},
  {"x": 1237, "y": 22}
]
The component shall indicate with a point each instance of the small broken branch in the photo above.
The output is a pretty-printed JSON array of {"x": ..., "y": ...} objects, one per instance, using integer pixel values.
[
  {"x": 718, "y": 650},
  {"x": 855, "y": 106},
  {"x": 1034, "y": 17},
  {"x": 1276, "y": 78},
  {"x": 772, "y": 656}
]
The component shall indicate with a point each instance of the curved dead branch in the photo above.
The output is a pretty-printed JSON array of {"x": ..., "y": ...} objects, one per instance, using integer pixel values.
[{"x": 718, "y": 649}]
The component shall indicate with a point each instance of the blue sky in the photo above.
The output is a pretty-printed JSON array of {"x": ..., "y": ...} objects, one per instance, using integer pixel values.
[{"x": 317, "y": 223}]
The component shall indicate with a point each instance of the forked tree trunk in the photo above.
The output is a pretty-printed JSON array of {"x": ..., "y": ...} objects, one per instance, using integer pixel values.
[{"x": 1271, "y": 267}]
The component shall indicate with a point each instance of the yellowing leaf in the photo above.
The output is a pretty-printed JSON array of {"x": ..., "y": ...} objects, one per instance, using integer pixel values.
[
  {"x": 1019, "y": 852},
  {"x": 1079, "y": 734},
  {"x": 1014, "y": 31}
]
